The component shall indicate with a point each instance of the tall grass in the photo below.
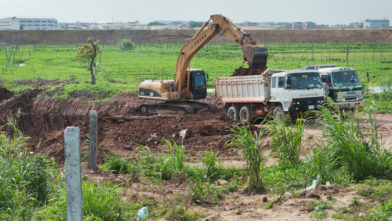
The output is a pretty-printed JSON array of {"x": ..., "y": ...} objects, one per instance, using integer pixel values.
[
  {"x": 287, "y": 140},
  {"x": 350, "y": 150},
  {"x": 249, "y": 143},
  {"x": 24, "y": 180}
]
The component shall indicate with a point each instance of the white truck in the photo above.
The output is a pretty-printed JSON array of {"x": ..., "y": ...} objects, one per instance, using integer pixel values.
[
  {"x": 281, "y": 93},
  {"x": 342, "y": 84}
]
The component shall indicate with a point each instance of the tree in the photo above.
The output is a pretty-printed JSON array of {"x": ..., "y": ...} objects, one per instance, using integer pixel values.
[
  {"x": 195, "y": 24},
  {"x": 87, "y": 54},
  {"x": 155, "y": 23}
]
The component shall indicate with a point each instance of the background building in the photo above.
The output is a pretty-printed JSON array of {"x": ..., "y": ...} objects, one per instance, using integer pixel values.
[
  {"x": 376, "y": 23},
  {"x": 14, "y": 23}
]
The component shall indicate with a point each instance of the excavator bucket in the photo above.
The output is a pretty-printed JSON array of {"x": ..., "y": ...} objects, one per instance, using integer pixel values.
[{"x": 255, "y": 55}]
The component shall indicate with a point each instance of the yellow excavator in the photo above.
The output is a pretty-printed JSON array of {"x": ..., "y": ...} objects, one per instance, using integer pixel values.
[{"x": 189, "y": 85}]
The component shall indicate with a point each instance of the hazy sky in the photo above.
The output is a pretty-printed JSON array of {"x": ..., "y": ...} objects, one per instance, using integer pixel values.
[{"x": 319, "y": 11}]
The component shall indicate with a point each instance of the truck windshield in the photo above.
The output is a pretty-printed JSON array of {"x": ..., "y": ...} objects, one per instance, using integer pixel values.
[
  {"x": 199, "y": 80},
  {"x": 345, "y": 79},
  {"x": 305, "y": 80}
]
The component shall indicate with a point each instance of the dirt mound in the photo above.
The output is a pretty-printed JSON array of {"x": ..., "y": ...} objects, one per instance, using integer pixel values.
[
  {"x": 249, "y": 71},
  {"x": 121, "y": 127},
  {"x": 5, "y": 94},
  {"x": 41, "y": 82}
]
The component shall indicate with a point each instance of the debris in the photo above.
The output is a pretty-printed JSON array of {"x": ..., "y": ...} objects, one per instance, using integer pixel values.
[
  {"x": 222, "y": 182},
  {"x": 314, "y": 184},
  {"x": 142, "y": 213}
]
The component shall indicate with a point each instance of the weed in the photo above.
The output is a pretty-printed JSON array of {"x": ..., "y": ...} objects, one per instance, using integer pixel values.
[
  {"x": 287, "y": 141},
  {"x": 350, "y": 150},
  {"x": 127, "y": 44},
  {"x": 180, "y": 213},
  {"x": 249, "y": 144},
  {"x": 177, "y": 153},
  {"x": 210, "y": 161},
  {"x": 203, "y": 192},
  {"x": 117, "y": 165}
]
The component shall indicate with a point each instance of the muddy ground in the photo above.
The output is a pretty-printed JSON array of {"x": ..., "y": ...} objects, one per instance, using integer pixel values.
[{"x": 123, "y": 130}]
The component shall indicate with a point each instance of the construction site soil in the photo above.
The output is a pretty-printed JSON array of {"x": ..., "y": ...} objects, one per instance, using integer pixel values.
[{"x": 121, "y": 128}]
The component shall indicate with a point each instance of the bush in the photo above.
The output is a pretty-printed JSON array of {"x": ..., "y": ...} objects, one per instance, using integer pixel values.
[
  {"x": 203, "y": 192},
  {"x": 350, "y": 150},
  {"x": 210, "y": 162},
  {"x": 249, "y": 144},
  {"x": 127, "y": 44},
  {"x": 117, "y": 165},
  {"x": 103, "y": 201},
  {"x": 287, "y": 141},
  {"x": 24, "y": 183}
]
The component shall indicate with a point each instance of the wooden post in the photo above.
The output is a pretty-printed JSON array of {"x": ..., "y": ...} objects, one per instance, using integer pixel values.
[
  {"x": 92, "y": 154},
  {"x": 73, "y": 174}
]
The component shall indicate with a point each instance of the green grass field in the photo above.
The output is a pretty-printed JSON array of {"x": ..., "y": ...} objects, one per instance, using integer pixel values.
[{"x": 122, "y": 70}]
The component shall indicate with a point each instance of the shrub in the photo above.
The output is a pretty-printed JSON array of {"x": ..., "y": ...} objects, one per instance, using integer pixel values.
[
  {"x": 177, "y": 153},
  {"x": 287, "y": 141},
  {"x": 203, "y": 192},
  {"x": 117, "y": 165},
  {"x": 103, "y": 201},
  {"x": 127, "y": 44},
  {"x": 210, "y": 161},
  {"x": 350, "y": 150},
  {"x": 249, "y": 144}
]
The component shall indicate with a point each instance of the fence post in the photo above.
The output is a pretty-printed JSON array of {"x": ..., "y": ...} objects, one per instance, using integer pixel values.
[
  {"x": 73, "y": 174},
  {"x": 92, "y": 154},
  {"x": 348, "y": 54}
]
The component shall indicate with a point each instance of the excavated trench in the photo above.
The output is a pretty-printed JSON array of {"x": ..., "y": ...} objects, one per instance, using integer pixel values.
[{"x": 121, "y": 127}]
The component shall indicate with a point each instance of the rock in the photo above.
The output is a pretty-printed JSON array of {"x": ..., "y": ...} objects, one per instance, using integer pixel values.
[
  {"x": 313, "y": 195},
  {"x": 222, "y": 182}
]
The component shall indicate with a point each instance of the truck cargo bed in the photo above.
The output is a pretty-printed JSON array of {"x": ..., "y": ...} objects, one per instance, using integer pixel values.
[{"x": 242, "y": 89}]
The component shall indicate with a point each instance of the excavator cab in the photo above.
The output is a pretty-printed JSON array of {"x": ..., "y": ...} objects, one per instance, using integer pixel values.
[{"x": 198, "y": 83}]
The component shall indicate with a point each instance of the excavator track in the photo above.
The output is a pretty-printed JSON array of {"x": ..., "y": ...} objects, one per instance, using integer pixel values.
[{"x": 180, "y": 107}]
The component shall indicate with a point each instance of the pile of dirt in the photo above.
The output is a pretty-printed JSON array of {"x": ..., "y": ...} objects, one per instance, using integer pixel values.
[
  {"x": 5, "y": 94},
  {"x": 41, "y": 82},
  {"x": 249, "y": 71},
  {"x": 121, "y": 127}
]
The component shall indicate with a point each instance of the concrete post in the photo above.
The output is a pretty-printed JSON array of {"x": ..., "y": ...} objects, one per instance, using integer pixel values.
[
  {"x": 73, "y": 174},
  {"x": 92, "y": 154}
]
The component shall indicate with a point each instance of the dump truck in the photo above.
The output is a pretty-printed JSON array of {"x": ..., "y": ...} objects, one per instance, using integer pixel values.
[
  {"x": 342, "y": 84},
  {"x": 275, "y": 93}
]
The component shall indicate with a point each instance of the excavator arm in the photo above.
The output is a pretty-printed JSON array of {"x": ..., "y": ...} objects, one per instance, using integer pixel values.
[{"x": 253, "y": 54}]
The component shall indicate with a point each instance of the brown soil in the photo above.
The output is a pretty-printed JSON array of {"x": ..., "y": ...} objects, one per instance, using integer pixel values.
[
  {"x": 41, "y": 82},
  {"x": 249, "y": 71},
  {"x": 121, "y": 127},
  {"x": 5, "y": 94}
]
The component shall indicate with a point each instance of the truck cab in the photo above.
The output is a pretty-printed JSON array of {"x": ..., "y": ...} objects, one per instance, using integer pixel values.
[
  {"x": 297, "y": 91},
  {"x": 342, "y": 84}
]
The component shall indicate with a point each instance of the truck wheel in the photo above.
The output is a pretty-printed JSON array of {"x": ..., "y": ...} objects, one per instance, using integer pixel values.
[
  {"x": 245, "y": 116},
  {"x": 278, "y": 113},
  {"x": 232, "y": 113}
]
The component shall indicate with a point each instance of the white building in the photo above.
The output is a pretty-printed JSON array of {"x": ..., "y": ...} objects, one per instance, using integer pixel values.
[
  {"x": 14, "y": 23},
  {"x": 376, "y": 23}
]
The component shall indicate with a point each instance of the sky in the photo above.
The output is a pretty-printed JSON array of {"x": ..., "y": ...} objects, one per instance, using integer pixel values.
[{"x": 319, "y": 11}]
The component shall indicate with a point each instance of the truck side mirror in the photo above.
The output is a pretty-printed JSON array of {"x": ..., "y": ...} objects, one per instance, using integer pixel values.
[{"x": 208, "y": 77}]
